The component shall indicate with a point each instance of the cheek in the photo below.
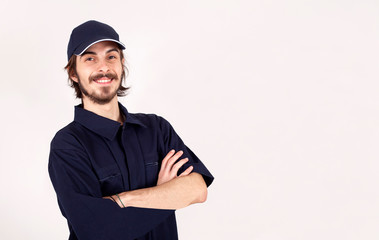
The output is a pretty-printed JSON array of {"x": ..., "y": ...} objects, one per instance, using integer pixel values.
[
  {"x": 84, "y": 71},
  {"x": 119, "y": 70},
  {"x": 83, "y": 75}
]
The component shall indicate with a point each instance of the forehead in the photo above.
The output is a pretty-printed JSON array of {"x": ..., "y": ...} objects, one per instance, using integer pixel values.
[{"x": 102, "y": 47}]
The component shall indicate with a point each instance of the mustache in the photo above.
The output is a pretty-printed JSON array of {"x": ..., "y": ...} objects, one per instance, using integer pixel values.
[{"x": 101, "y": 75}]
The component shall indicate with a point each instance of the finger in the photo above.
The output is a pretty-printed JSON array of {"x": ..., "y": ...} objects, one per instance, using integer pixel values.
[
  {"x": 178, "y": 165},
  {"x": 173, "y": 159},
  {"x": 186, "y": 172},
  {"x": 166, "y": 158}
]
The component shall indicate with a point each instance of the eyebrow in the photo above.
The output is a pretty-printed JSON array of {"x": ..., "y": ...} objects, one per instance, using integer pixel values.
[
  {"x": 93, "y": 53},
  {"x": 86, "y": 53},
  {"x": 113, "y": 50}
]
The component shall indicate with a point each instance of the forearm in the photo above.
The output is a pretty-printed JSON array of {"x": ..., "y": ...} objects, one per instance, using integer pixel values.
[{"x": 175, "y": 194}]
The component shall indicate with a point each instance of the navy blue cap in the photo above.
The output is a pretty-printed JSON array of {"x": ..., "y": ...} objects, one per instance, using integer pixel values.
[{"x": 89, "y": 33}]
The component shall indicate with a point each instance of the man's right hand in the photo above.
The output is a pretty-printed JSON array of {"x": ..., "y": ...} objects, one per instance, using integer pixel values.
[{"x": 169, "y": 170}]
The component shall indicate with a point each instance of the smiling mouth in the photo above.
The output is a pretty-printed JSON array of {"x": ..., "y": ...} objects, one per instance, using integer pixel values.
[{"x": 103, "y": 80}]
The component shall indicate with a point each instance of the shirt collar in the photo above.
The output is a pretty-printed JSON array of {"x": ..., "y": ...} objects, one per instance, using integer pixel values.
[{"x": 101, "y": 125}]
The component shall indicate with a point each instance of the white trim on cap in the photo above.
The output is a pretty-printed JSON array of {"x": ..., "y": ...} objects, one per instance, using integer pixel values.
[{"x": 101, "y": 40}]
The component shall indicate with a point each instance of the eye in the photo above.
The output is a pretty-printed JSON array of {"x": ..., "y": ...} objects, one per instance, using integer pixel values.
[
  {"x": 89, "y": 59},
  {"x": 112, "y": 57}
]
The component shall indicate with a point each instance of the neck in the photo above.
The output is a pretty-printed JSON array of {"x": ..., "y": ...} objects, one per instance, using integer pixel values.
[{"x": 109, "y": 110}]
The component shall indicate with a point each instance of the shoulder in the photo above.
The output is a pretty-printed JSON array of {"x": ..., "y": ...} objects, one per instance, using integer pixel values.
[
  {"x": 150, "y": 120},
  {"x": 67, "y": 138}
]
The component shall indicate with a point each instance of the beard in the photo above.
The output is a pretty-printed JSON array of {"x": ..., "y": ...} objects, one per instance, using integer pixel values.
[{"x": 106, "y": 94}]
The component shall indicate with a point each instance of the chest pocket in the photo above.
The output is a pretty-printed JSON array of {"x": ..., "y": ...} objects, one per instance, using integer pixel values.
[
  {"x": 110, "y": 180},
  {"x": 151, "y": 169}
]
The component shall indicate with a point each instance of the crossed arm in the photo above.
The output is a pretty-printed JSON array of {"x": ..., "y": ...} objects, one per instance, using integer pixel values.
[{"x": 171, "y": 192}]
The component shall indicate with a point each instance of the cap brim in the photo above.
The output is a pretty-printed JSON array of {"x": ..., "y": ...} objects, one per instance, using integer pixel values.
[{"x": 101, "y": 40}]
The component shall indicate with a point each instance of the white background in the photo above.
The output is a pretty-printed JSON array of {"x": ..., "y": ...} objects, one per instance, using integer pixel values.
[{"x": 278, "y": 98}]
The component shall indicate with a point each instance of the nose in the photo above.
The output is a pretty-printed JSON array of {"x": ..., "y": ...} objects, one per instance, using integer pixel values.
[{"x": 103, "y": 66}]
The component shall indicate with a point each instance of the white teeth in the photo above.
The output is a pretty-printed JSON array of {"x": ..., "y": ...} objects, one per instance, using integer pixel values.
[{"x": 103, "y": 81}]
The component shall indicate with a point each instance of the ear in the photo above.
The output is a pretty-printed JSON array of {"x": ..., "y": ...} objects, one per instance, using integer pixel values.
[
  {"x": 123, "y": 61},
  {"x": 73, "y": 77}
]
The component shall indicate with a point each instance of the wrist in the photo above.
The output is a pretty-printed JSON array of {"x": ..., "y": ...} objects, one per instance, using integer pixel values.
[
  {"x": 117, "y": 198},
  {"x": 136, "y": 198}
]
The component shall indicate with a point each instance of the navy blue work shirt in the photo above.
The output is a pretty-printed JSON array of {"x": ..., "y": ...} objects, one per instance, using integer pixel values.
[{"x": 93, "y": 157}]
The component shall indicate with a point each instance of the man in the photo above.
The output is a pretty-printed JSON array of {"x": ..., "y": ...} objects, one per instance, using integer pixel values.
[{"x": 118, "y": 175}]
